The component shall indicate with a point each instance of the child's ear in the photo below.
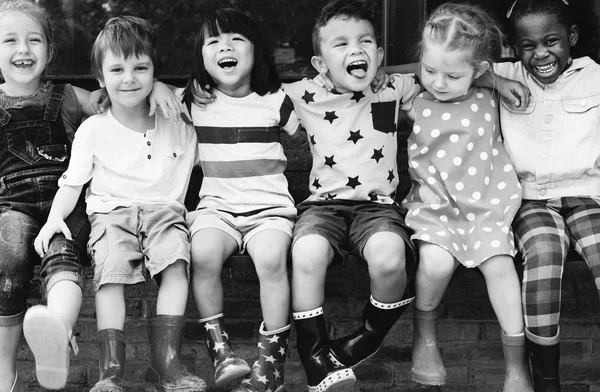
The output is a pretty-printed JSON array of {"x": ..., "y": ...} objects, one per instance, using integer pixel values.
[
  {"x": 101, "y": 83},
  {"x": 318, "y": 63},
  {"x": 573, "y": 35},
  {"x": 380, "y": 54},
  {"x": 481, "y": 69}
]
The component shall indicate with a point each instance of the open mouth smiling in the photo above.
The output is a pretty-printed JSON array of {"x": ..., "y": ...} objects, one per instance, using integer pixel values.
[
  {"x": 545, "y": 69},
  {"x": 227, "y": 63},
  {"x": 23, "y": 63},
  {"x": 358, "y": 68}
]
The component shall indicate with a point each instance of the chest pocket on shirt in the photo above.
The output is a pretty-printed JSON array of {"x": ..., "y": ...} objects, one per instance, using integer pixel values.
[
  {"x": 585, "y": 110},
  {"x": 170, "y": 161},
  {"x": 384, "y": 116},
  {"x": 518, "y": 120}
]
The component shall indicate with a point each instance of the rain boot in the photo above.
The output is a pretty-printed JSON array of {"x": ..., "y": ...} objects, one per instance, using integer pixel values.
[
  {"x": 112, "y": 361},
  {"x": 427, "y": 365},
  {"x": 166, "y": 373},
  {"x": 313, "y": 349},
  {"x": 517, "y": 377},
  {"x": 229, "y": 368},
  {"x": 544, "y": 366},
  {"x": 50, "y": 341},
  {"x": 267, "y": 372},
  {"x": 378, "y": 319}
]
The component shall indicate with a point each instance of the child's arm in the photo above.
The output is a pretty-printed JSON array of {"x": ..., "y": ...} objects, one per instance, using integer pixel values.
[
  {"x": 63, "y": 204},
  {"x": 511, "y": 91},
  {"x": 161, "y": 96}
]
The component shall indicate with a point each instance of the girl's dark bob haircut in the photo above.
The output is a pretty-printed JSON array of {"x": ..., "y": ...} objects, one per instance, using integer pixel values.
[{"x": 263, "y": 78}]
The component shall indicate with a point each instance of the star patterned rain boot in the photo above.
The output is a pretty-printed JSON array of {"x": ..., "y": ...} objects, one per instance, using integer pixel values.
[
  {"x": 268, "y": 369},
  {"x": 229, "y": 368}
]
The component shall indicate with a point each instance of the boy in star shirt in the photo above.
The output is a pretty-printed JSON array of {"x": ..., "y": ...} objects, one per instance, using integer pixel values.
[{"x": 353, "y": 181}]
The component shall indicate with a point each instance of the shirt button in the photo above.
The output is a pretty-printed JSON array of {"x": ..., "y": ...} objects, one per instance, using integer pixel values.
[
  {"x": 148, "y": 143},
  {"x": 583, "y": 103},
  {"x": 64, "y": 176},
  {"x": 149, "y": 156},
  {"x": 548, "y": 119},
  {"x": 543, "y": 192},
  {"x": 175, "y": 154}
]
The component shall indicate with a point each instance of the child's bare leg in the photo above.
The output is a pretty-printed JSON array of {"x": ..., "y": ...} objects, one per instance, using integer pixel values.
[
  {"x": 311, "y": 255},
  {"x": 173, "y": 290},
  {"x": 110, "y": 306},
  {"x": 210, "y": 249},
  {"x": 384, "y": 253},
  {"x": 436, "y": 266},
  {"x": 64, "y": 300},
  {"x": 505, "y": 295},
  {"x": 10, "y": 336},
  {"x": 269, "y": 250},
  {"x": 504, "y": 290}
]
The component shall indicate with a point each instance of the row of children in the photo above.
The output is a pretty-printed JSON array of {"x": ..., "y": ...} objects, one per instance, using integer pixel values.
[{"x": 468, "y": 184}]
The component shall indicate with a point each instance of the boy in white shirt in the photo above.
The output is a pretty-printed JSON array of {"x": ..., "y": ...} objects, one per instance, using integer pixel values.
[{"x": 138, "y": 168}]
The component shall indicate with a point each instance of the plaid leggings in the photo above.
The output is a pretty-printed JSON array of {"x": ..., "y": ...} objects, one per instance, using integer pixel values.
[{"x": 544, "y": 230}]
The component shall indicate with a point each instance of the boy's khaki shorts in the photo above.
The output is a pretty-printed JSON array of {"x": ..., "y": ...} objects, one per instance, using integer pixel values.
[{"x": 124, "y": 239}]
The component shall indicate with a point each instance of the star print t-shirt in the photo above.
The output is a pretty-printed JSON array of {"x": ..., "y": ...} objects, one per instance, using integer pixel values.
[{"x": 352, "y": 138}]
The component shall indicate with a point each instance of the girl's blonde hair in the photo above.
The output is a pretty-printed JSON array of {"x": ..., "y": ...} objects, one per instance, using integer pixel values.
[
  {"x": 463, "y": 27},
  {"x": 37, "y": 13}
]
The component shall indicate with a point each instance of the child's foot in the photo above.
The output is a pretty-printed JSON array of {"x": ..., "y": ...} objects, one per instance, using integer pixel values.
[{"x": 49, "y": 340}]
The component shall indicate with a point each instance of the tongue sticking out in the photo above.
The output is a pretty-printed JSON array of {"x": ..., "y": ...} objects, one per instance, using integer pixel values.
[{"x": 358, "y": 69}]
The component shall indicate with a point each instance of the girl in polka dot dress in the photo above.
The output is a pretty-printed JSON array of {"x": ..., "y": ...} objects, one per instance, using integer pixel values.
[{"x": 465, "y": 192}]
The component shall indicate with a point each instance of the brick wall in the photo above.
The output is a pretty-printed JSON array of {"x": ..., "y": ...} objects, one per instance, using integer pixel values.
[{"x": 469, "y": 332}]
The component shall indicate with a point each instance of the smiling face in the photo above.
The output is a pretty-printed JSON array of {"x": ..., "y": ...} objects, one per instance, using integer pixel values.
[
  {"x": 447, "y": 74},
  {"x": 228, "y": 59},
  {"x": 543, "y": 45},
  {"x": 23, "y": 53},
  {"x": 349, "y": 54},
  {"x": 128, "y": 81}
]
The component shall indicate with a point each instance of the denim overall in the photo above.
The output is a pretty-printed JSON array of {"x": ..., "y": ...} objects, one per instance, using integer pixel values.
[{"x": 34, "y": 152}]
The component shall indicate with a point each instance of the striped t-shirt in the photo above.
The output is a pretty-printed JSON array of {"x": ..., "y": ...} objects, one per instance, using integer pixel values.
[{"x": 241, "y": 154}]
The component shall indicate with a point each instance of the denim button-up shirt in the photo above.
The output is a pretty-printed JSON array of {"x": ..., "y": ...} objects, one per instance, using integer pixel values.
[{"x": 555, "y": 142}]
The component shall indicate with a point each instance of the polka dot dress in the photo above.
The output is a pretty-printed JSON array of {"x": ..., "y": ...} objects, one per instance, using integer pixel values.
[{"x": 465, "y": 191}]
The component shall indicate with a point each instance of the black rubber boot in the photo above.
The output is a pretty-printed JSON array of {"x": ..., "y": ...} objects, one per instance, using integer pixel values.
[
  {"x": 313, "y": 349},
  {"x": 268, "y": 373},
  {"x": 544, "y": 366},
  {"x": 166, "y": 372},
  {"x": 112, "y": 361},
  {"x": 378, "y": 319},
  {"x": 229, "y": 368}
]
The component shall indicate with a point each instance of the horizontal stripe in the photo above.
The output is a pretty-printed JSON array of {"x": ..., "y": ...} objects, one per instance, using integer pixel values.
[
  {"x": 241, "y": 169},
  {"x": 234, "y": 135}
]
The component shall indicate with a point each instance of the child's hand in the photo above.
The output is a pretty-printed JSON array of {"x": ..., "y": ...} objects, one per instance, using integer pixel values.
[
  {"x": 381, "y": 79},
  {"x": 323, "y": 80},
  {"x": 202, "y": 96},
  {"x": 514, "y": 93},
  {"x": 162, "y": 97},
  {"x": 53, "y": 226},
  {"x": 99, "y": 100}
]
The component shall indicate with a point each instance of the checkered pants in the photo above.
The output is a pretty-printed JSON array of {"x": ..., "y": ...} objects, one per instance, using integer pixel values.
[{"x": 544, "y": 231}]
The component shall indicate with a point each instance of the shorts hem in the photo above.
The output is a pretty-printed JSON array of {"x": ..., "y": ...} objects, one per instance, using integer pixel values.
[
  {"x": 157, "y": 268},
  {"x": 74, "y": 277},
  {"x": 9, "y": 321}
]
